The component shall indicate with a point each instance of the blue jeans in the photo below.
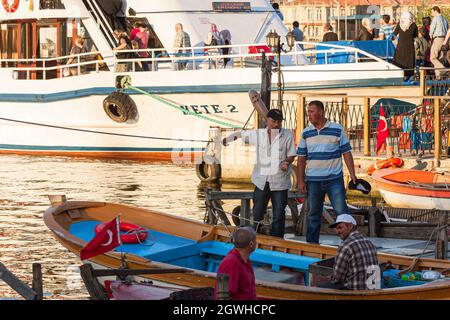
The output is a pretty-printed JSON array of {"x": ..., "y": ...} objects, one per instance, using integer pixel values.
[
  {"x": 279, "y": 203},
  {"x": 316, "y": 195}
]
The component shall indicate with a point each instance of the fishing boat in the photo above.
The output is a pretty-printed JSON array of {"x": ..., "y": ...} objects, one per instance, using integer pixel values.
[
  {"x": 283, "y": 268},
  {"x": 163, "y": 113},
  {"x": 409, "y": 188}
]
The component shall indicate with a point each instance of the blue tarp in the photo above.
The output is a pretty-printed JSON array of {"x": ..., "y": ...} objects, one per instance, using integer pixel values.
[{"x": 380, "y": 48}]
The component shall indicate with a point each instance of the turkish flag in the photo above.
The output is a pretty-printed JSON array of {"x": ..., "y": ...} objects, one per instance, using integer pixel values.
[
  {"x": 383, "y": 129},
  {"x": 106, "y": 240}
]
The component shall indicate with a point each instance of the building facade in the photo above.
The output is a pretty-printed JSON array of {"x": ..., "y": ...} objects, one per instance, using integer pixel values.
[{"x": 345, "y": 16}]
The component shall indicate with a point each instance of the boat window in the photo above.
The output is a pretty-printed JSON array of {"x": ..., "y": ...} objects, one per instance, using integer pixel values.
[
  {"x": 47, "y": 35},
  {"x": 26, "y": 42},
  {"x": 51, "y": 4},
  {"x": 8, "y": 43}
]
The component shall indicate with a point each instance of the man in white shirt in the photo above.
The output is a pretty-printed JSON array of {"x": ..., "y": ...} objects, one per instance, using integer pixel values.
[{"x": 275, "y": 152}]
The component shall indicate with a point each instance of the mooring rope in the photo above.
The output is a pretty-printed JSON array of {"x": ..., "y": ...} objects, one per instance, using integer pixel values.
[{"x": 127, "y": 85}]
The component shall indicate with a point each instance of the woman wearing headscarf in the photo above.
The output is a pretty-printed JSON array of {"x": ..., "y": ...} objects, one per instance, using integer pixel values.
[
  {"x": 213, "y": 39},
  {"x": 404, "y": 56}
]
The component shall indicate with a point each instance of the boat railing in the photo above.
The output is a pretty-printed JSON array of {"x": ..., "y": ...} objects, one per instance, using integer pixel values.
[{"x": 242, "y": 56}]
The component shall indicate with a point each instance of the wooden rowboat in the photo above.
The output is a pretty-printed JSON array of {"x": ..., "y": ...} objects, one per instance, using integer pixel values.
[
  {"x": 175, "y": 242},
  {"x": 407, "y": 188}
]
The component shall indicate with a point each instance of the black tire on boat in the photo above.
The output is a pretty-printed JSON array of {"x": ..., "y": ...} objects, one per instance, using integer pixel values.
[
  {"x": 208, "y": 172},
  {"x": 120, "y": 107},
  {"x": 235, "y": 216}
]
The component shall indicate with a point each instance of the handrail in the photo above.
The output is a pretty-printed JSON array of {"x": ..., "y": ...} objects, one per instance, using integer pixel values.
[
  {"x": 206, "y": 48},
  {"x": 191, "y": 54},
  {"x": 101, "y": 23}
]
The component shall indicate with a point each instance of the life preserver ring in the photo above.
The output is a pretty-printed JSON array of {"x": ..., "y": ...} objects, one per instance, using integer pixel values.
[
  {"x": 11, "y": 8},
  {"x": 134, "y": 233},
  {"x": 384, "y": 164}
]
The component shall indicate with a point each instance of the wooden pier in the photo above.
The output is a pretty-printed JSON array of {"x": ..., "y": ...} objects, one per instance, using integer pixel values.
[{"x": 35, "y": 292}]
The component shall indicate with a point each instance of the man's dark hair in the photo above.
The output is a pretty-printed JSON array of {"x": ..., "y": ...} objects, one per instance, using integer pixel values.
[
  {"x": 295, "y": 24},
  {"x": 275, "y": 6},
  {"x": 317, "y": 104},
  {"x": 426, "y": 20},
  {"x": 386, "y": 18},
  {"x": 436, "y": 8},
  {"x": 243, "y": 236}
]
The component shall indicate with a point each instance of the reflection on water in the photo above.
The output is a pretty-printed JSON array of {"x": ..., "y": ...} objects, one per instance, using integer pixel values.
[{"x": 26, "y": 182}]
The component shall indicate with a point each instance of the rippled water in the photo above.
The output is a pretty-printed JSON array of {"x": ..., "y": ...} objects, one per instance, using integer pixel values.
[{"x": 26, "y": 182}]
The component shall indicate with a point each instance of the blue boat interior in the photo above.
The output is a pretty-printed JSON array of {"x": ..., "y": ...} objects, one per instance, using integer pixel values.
[{"x": 206, "y": 256}]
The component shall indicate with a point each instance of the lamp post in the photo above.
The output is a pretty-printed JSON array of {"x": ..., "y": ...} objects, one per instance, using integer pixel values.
[{"x": 275, "y": 45}]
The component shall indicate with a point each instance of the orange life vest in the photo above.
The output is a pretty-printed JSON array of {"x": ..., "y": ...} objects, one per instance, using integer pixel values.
[{"x": 387, "y": 163}]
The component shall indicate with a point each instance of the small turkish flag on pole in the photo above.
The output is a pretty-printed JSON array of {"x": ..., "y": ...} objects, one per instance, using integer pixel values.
[
  {"x": 383, "y": 129},
  {"x": 106, "y": 240}
]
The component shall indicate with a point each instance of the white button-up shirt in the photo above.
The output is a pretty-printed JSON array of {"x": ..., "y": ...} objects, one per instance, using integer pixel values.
[{"x": 269, "y": 157}]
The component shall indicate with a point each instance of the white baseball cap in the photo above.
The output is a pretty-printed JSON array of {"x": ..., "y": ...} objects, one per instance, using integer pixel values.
[{"x": 346, "y": 218}]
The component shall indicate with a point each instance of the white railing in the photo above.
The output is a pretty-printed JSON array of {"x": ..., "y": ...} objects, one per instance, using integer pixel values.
[{"x": 194, "y": 55}]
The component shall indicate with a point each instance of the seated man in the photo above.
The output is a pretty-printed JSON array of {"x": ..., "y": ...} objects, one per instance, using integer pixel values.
[
  {"x": 356, "y": 258},
  {"x": 238, "y": 266}
]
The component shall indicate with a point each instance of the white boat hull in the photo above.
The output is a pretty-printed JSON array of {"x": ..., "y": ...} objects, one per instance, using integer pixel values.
[{"x": 398, "y": 200}]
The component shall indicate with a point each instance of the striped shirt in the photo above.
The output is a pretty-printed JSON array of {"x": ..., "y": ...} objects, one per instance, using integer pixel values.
[
  {"x": 387, "y": 30},
  {"x": 323, "y": 150},
  {"x": 355, "y": 258}
]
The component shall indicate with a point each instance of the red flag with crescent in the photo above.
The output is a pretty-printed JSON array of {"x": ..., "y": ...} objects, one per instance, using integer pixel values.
[
  {"x": 106, "y": 240},
  {"x": 383, "y": 129}
]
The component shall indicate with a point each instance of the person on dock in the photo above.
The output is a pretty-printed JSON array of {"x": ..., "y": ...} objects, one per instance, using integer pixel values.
[
  {"x": 438, "y": 31},
  {"x": 275, "y": 147},
  {"x": 321, "y": 148},
  {"x": 386, "y": 29},
  {"x": 366, "y": 32},
  {"x": 405, "y": 55},
  {"x": 238, "y": 266},
  {"x": 356, "y": 266},
  {"x": 328, "y": 34}
]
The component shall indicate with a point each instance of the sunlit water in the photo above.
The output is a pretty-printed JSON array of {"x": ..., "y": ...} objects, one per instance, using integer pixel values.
[{"x": 26, "y": 182}]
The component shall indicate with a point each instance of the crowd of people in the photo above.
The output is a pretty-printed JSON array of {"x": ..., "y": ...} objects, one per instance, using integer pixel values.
[{"x": 424, "y": 46}]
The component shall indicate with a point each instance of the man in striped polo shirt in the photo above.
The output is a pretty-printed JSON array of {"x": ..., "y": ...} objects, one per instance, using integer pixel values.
[{"x": 320, "y": 152}]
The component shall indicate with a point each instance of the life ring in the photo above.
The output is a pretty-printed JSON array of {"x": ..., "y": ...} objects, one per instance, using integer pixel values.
[
  {"x": 134, "y": 233},
  {"x": 208, "y": 172},
  {"x": 120, "y": 107},
  {"x": 11, "y": 8},
  {"x": 384, "y": 164}
]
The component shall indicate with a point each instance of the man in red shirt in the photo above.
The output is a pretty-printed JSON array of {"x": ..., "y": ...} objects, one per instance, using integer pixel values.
[{"x": 238, "y": 266}]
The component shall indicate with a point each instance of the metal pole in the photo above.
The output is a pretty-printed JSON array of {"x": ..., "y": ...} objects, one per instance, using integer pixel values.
[
  {"x": 280, "y": 95},
  {"x": 367, "y": 126},
  {"x": 437, "y": 132}
]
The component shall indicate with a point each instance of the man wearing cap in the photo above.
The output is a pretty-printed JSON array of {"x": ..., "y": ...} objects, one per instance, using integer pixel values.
[
  {"x": 356, "y": 258},
  {"x": 275, "y": 152},
  {"x": 321, "y": 148},
  {"x": 237, "y": 265}
]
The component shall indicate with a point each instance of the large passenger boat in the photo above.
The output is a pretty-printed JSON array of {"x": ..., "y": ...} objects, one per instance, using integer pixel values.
[{"x": 44, "y": 111}]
